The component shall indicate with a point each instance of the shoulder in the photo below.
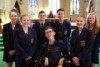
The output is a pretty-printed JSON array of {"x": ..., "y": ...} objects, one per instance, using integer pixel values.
[
  {"x": 74, "y": 31},
  {"x": 44, "y": 45},
  {"x": 67, "y": 22},
  {"x": 18, "y": 24},
  {"x": 36, "y": 23},
  {"x": 6, "y": 25},
  {"x": 87, "y": 30},
  {"x": 32, "y": 30}
]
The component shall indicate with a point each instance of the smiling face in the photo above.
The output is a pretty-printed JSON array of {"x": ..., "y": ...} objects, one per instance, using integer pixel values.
[
  {"x": 60, "y": 15},
  {"x": 91, "y": 19},
  {"x": 80, "y": 22},
  {"x": 25, "y": 20},
  {"x": 49, "y": 33},
  {"x": 13, "y": 16},
  {"x": 42, "y": 17}
]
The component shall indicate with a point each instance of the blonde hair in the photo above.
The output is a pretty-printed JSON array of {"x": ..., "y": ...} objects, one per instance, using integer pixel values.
[
  {"x": 23, "y": 16},
  {"x": 95, "y": 25}
]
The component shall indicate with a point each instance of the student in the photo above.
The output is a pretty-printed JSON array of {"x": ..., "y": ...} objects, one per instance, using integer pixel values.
[
  {"x": 92, "y": 24},
  {"x": 25, "y": 44},
  {"x": 8, "y": 29},
  {"x": 62, "y": 28},
  {"x": 81, "y": 45},
  {"x": 40, "y": 26},
  {"x": 53, "y": 52}
]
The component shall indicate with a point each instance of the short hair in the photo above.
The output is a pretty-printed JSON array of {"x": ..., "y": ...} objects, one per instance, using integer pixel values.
[
  {"x": 14, "y": 10},
  {"x": 49, "y": 27},
  {"x": 61, "y": 9},
  {"x": 41, "y": 12}
]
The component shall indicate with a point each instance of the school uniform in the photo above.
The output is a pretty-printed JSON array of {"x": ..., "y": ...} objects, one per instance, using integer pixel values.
[
  {"x": 53, "y": 52},
  {"x": 81, "y": 47},
  {"x": 95, "y": 50},
  {"x": 40, "y": 28},
  {"x": 8, "y": 41},
  {"x": 26, "y": 45},
  {"x": 63, "y": 31}
]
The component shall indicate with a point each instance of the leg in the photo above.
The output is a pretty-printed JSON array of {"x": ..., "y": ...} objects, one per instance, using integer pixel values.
[
  {"x": 93, "y": 65},
  {"x": 9, "y": 64}
]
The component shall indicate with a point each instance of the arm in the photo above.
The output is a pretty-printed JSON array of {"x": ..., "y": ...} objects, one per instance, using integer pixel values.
[
  {"x": 5, "y": 39},
  {"x": 88, "y": 48},
  {"x": 19, "y": 49},
  {"x": 34, "y": 47},
  {"x": 69, "y": 29},
  {"x": 65, "y": 55},
  {"x": 72, "y": 53}
]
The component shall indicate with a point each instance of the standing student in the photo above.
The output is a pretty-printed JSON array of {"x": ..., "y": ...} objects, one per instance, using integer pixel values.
[
  {"x": 54, "y": 53},
  {"x": 62, "y": 28},
  {"x": 40, "y": 26},
  {"x": 25, "y": 44},
  {"x": 8, "y": 40},
  {"x": 81, "y": 45},
  {"x": 92, "y": 24}
]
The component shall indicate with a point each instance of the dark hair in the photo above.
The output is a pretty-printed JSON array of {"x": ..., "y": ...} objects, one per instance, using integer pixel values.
[
  {"x": 41, "y": 12},
  {"x": 49, "y": 27},
  {"x": 14, "y": 10},
  {"x": 61, "y": 9}
]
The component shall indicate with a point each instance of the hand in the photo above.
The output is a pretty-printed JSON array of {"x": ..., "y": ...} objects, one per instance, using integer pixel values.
[
  {"x": 75, "y": 61},
  {"x": 28, "y": 58},
  {"x": 59, "y": 66},
  {"x": 61, "y": 62},
  {"x": 12, "y": 52},
  {"x": 46, "y": 62}
]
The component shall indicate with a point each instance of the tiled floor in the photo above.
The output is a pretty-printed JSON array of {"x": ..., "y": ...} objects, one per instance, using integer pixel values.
[{"x": 3, "y": 64}]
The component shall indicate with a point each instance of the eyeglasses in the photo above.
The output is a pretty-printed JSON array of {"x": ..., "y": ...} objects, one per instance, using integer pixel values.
[{"x": 48, "y": 31}]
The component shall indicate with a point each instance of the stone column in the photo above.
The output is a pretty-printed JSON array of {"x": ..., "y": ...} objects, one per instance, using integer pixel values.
[{"x": 97, "y": 9}]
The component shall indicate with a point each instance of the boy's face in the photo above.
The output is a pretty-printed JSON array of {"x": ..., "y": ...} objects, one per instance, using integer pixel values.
[
  {"x": 49, "y": 33},
  {"x": 61, "y": 14},
  {"x": 42, "y": 16}
]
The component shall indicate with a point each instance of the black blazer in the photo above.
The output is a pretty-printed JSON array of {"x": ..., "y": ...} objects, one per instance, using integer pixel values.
[
  {"x": 62, "y": 31},
  {"x": 8, "y": 41},
  {"x": 81, "y": 45},
  {"x": 54, "y": 52},
  {"x": 95, "y": 50},
  {"x": 25, "y": 44},
  {"x": 40, "y": 31}
]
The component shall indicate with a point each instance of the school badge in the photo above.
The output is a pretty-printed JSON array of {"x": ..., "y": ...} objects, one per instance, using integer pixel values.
[
  {"x": 83, "y": 43},
  {"x": 65, "y": 32},
  {"x": 32, "y": 41}
]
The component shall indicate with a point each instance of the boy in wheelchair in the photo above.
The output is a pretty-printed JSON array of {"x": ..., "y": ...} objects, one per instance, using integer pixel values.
[{"x": 53, "y": 53}]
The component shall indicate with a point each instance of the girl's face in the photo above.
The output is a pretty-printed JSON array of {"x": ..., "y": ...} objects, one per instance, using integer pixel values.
[
  {"x": 61, "y": 15},
  {"x": 25, "y": 21},
  {"x": 91, "y": 19},
  {"x": 80, "y": 22},
  {"x": 49, "y": 33},
  {"x": 13, "y": 16}
]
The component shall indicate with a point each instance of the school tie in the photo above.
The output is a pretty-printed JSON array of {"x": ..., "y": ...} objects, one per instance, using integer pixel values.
[{"x": 42, "y": 24}]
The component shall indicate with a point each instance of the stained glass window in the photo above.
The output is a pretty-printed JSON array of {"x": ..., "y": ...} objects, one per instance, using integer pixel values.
[{"x": 74, "y": 7}]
